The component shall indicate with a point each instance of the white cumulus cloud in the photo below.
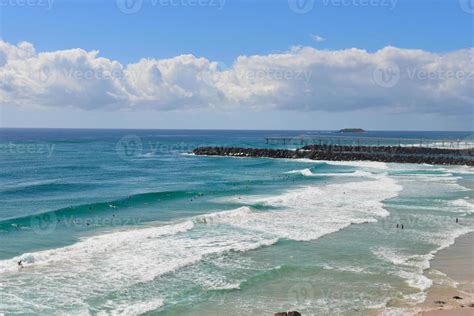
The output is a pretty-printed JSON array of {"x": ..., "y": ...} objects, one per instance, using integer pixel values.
[
  {"x": 301, "y": 79},
  {"x": 317, "y": 38}
]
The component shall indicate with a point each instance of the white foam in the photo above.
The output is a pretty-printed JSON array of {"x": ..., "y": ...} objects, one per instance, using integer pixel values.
[
  {"x": 122, "y": 259},
  {"x": 463, "y": 205},
  {"x": 307, "y": 213},
  {"x": 463, "y": 170},
  {"x": 308, "y": 173},
  {"x": 304, "y": 172},
  {"x": 445, "y": 177},
  {"x": 360, "y": 164},
  {"x": 232, "y": 286},
  {"x": 416, "y": 280},
  {"x": 412, "y": 267},
  {"x": 148, "y": 154},
  {"x": 357, "y": 173},
  {"x": 132, "y": 309},
  {"x": 429, "y": 184},
  {"x": 96, "y": 245},
  {"x": 352, "y": 269},
  {"x": 224, "y": 216}
]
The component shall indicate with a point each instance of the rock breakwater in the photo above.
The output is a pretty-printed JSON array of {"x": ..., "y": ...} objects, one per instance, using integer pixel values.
[{"x": 419, "y": 155}]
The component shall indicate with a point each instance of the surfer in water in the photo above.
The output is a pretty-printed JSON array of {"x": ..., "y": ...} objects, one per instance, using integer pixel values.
[{"x": 20, "y": 264}]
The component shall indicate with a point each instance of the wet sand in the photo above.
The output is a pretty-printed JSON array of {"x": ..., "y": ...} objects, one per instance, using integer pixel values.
[{"x": 452, "y": 272}]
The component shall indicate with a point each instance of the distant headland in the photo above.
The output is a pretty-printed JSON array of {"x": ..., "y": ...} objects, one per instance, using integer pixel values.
[{"x": 352, "y": 130}]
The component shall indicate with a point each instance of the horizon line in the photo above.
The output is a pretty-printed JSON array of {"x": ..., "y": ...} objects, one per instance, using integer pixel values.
[{"x": 218, "y": 129}]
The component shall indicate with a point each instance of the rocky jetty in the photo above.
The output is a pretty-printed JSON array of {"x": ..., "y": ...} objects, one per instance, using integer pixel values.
[
  {"x": 293, "y": 313},
  {"x": 397, "y": 154},
  {"x": 397, "y": 150}
]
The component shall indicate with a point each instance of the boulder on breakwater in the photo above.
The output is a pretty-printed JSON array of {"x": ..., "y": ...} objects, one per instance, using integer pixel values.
[
  {"x": 293, "y": 313},
  {"x": 417, "y": 155}
]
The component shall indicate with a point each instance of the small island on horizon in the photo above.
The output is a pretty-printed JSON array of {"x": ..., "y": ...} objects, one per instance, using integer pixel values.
[{"x": 352, "y": 130}]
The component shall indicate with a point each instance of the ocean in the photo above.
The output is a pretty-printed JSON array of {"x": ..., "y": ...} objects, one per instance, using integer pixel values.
[{"x": 108, "y": 222}]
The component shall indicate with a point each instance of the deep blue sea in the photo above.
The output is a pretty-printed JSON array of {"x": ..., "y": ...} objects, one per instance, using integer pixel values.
[{"x": 109, "y": 222}]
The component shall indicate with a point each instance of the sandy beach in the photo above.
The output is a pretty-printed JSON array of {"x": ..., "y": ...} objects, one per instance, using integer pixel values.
[{"x": 452, "y": 272}]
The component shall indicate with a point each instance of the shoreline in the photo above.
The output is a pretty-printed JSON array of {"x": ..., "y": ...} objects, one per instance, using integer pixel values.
[{"x": 452, "y": 273}]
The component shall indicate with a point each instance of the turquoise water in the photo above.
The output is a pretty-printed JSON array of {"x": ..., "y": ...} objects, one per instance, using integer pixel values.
[{"x": 127, "y": 222}]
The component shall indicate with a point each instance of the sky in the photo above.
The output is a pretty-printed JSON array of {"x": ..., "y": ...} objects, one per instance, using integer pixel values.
[{"x": 238, "y": 64}]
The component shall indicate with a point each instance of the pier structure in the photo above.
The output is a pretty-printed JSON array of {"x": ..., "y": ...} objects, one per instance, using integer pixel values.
[{"x": 371, "y": 141}]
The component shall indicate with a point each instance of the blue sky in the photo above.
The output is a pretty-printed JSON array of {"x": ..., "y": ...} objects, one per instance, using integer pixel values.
[
  {"x": 224, "y": 31},
  {"x": 239, "y": 28}
]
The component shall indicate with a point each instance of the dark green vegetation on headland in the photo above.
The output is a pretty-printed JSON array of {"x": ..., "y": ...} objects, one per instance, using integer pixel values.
[
  {"x": 435, "y": 156},
  {"x": 351, "y": 130}
]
